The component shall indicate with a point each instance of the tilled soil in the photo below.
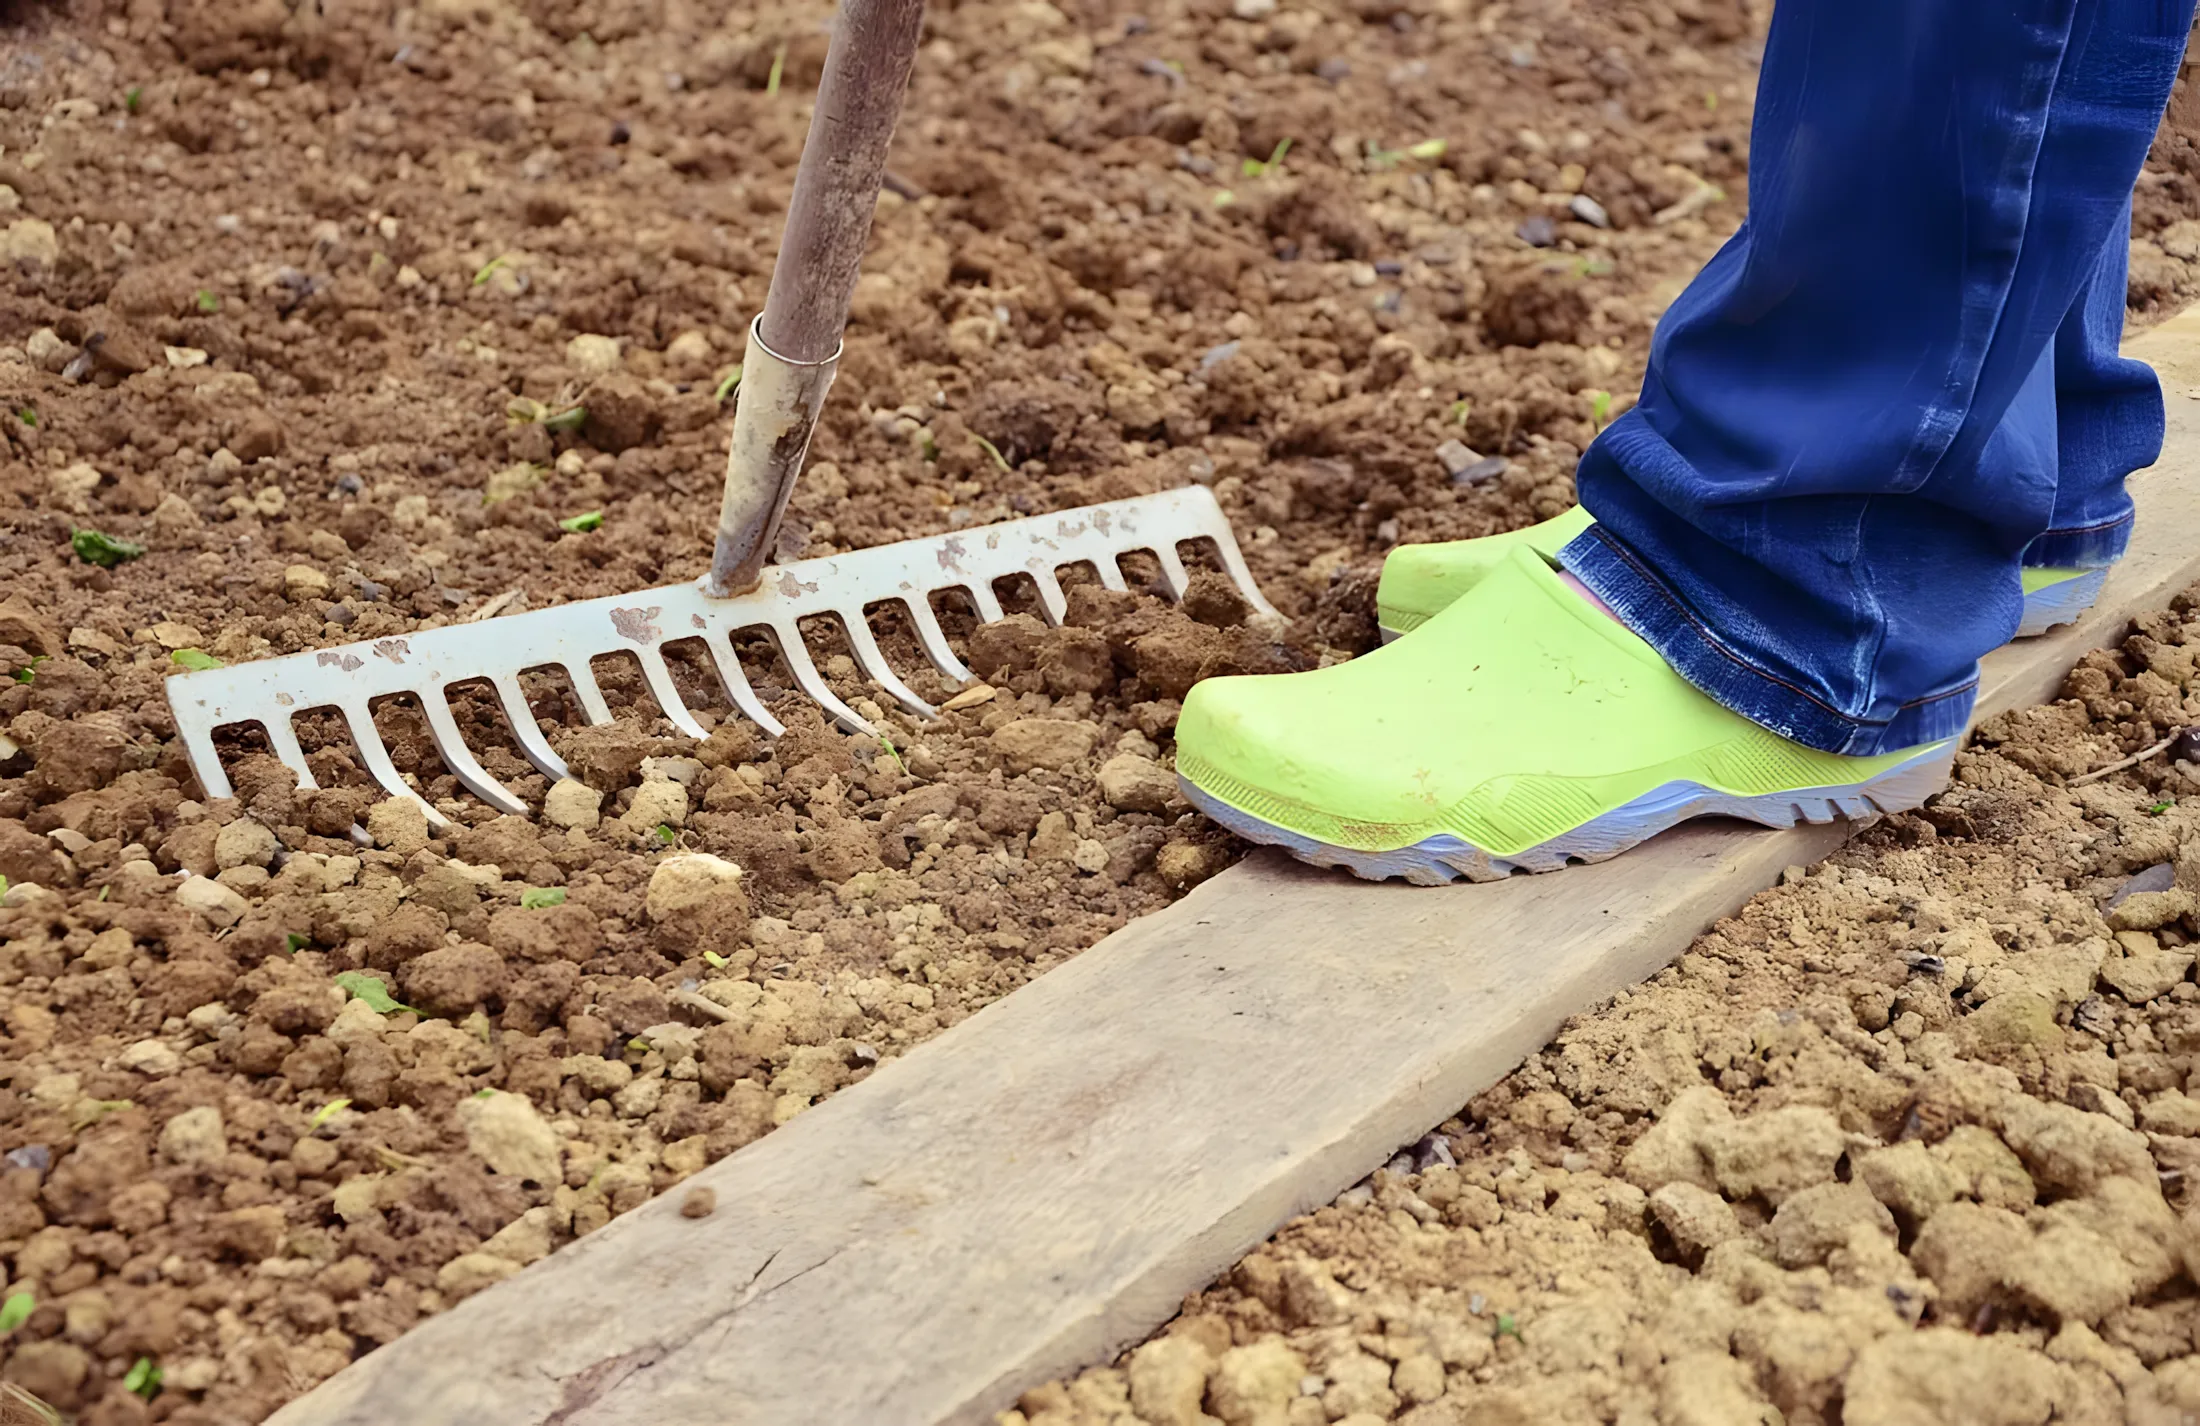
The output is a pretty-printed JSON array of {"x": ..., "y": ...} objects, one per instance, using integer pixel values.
[
  {"x": 338, "y": 310},
  {"x": 1910, "y": 1141}
]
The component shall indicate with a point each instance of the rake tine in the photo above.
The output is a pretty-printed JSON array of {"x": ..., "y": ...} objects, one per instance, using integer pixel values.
[
  {"x": 811, "y": 682},
  {"x": 1111, "y": 573},
  {"x": 934, "y": 639},
  {"x": 376, "y": 756},
  {"x": 873, "y": 660},
  {"x": 661, "y": 688},
  {"x": 1241, "y": 575},
  {"x": 1051, "y": 598},
  {"x": 198, "y": 743},
  {"x": 450, "y": 745},
  {"x": 282, "y": 740},
  {"x": 588, "y": 691},
  {"x": 1172, "y": 571},
  {"x": 736, "y": 682},
  {"x": 989, "y": 604},
  {"x": 526, "y": 730}
]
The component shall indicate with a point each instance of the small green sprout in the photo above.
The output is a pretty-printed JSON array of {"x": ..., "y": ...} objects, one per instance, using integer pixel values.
[
  {"x": 779, "y": 68},
  {"x": 571, "y": 419},
  {"x": 3, "y": 886},
  {"x": 28, "y": 415},
  {"x": 132, "y": 96},
  {"x": 582, "y": 523},
  {"x": 372, "y": 989},
  {"x": 327, "y": 1112},
  {"x": 727, "y": 384},
  {"x": 927, "y": 448},
  {"x": 143, "y": 1378},
  {"x": 886, "y": 746},
  {"x": 1224, "y": 198},
  {"x": 1428, "y": 150},
  {"x": 1600, "y": 409},
  {"x": 207, "y": 302},
  {"x": 990, "y": 449},
  {"x": 665, "y": 835},
  {"x": 484, "y": 1094},
  {"x": 538, "y": 898},
  {"x": 104, "y": 892},
  {"x": 490, "y": 268},
  {"x": 1710, "y": 101},
  {"x": 1258, "y": 168},
  {"x": 16, "y": 1310},
  {"x": 2159, "y": 808},
  {"x": 1460, "y": 410},
  {"x": 88, "y": 1112},
  {"x": 29, "y": 672},
  {"x": 715, "y": 961},
  {"x": 104, "y": 550},
  {"x": 1588, "y": 267},
  {"x": 296, "y": 941},
  {"x": 197, "y": 660},
  {"x": 1508, "y": 1326}
]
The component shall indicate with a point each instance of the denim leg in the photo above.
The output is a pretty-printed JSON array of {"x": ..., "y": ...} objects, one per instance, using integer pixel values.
[
  {"x": 1846, "y": 438},
  {"x": 2109, "y": 421}
]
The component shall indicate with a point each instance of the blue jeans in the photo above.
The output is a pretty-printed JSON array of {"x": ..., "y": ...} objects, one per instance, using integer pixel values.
[{"x": 1899, "y": 381}]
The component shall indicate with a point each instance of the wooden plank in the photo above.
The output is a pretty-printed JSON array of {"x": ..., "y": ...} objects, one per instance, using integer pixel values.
[{"x": 1041, "y": 1185}]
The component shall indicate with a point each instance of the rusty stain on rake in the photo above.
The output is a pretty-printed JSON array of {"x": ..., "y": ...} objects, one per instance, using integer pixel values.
[{"x": 271, "y": 692}]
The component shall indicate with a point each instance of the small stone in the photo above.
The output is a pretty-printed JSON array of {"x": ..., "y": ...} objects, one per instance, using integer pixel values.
[
  {"x": 1487, "y": 468},
  {"x": 191, "y": 1374},
  {"x": 1052, "y": 743},
  {"x": 1418, "y": 1378},
  {"x": 1907, "y": 1179},
  {"x": 526, "y": 1239},
  {"x": 506, "y": 1132},
  {"x": 302, "y": 582},
  {"x": 1252, "y": 9},
  {"x": 1455, "y": 457},
  {"x": 244, "y": 842},
  {"x": 195, "y": 1138},
  {"x": 464, "y": 1276},
  {"x": 2171, "y": 1113},
  {"x": 1589, "y": 211},
  {"x": 1538, "y": 232},
  {"x": 1168, "y": 1378},
  {"x": 1184, "y": 865},
  {"x": 572, "y": 804},
  {"x": 150, "y": 1057},
  {"x": 1253, "y": 1383},
  {"x": 398, "y": 824},
  {"x": 657, "y": 804},
  {"x": 2147, "y": 910},
  {"x": 1814, "y": 1222},
  {"x": 1695, "y": 1218},
  {"x": 217, "y": 903},
  {"x": 699, "y": 1202},
  {"x": 592, "y": 355},
  {"x": 684, "y": 884},
  {"x": 2142, "y": 977},
  {"x": 1090, "y": 855},
  {"x": 49, "y": 1371},
  {"x": 30, "y": 240},
  {"x": 689, "y": 349},
  {"x": 1131, "y": 783}
]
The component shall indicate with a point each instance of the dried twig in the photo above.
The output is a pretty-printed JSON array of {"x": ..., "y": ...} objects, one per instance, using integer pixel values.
[
  {"x": 2118, "y": 766},
  {"x": 496, "y": 606},
  {"x": 702, "y": 1005}
]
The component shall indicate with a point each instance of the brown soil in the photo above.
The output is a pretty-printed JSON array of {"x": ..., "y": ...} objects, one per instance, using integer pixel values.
[
  {"x": 1945, "y": 1081},
  {"x": 284, "y": 279}
]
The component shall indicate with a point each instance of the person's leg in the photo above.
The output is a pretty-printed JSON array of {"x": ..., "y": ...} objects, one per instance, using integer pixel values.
[
  {"x": 2109, "y": 419},
  {"x": 1844, "y": 446}
]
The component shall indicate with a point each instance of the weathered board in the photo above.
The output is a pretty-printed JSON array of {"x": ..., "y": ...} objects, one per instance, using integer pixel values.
[{"x": 1041, "y": 1185}]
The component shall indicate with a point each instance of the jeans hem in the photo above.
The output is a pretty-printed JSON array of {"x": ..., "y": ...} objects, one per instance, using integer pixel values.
[
  {"x": 1648, "y": 606},
  {"x": 2085, "y": 547}
]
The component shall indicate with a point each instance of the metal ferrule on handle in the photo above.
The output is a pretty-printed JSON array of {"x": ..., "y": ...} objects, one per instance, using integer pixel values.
[{"x": 773, "y": 415}]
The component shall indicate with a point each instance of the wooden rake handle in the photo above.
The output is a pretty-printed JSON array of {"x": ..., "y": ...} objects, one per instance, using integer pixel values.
[{"x": 794, "y": 345}]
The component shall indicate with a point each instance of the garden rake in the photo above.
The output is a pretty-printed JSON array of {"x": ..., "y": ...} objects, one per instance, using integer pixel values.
[{"x": 793, "y": 348}]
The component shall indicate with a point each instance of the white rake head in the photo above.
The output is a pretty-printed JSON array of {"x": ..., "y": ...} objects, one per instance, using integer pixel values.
[{"x": 271, "y": 692}]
